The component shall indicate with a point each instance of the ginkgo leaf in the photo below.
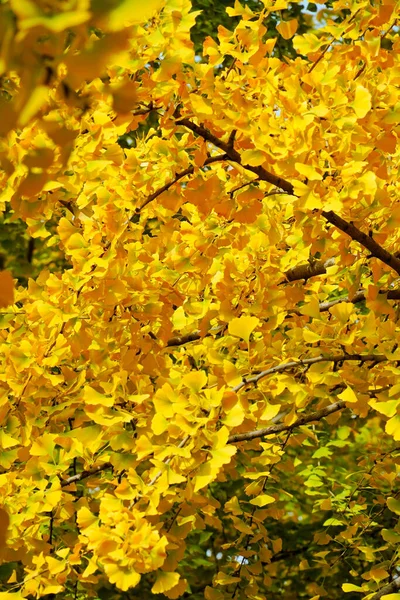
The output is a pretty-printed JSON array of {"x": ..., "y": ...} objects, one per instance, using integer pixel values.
[
  {"x": 393, "y": 505},
  {"x": 165, "y": 581},
  {"x": 235, "y": 416},
  {"x": 195, "y": 380},
  {"x": 200, "y": 105},
  {"x": 253, "y": 158},
  {"x": 393, "y": 427},
  {"x": 122, "y": 577},
  {"x": 159, "y": 424},
  {"x": 262, "y": 500},
  {"x": 362, "y": 101},
  {"x": 270, "y": 411},
  {"x": 389, "y": 535},
  {"x": 388, "y": 408},
  {"x": 350, "y": 587},
  {"x": 332, "y": 522},
  {"x": 342, "y": 311},
  {"x": 308, "y": 171},
  {"x": 348, "y": 395},
  {"x": 224, "y": 579},
  {"x": 92, "y": 396},
  {"x": 287, "y": 29},
  {"x": 242, "y": 327}
]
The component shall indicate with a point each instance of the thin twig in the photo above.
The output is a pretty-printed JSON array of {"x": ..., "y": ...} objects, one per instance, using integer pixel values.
[
  {"x": 178, "y": 176},
  {"x": 273, "y": 429},
  {"x": 85, "y": 474},
  {"x": 376, "y": 358}
]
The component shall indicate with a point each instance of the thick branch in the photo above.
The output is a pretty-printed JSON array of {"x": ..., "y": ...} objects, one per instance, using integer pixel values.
[
  {"x": 308, "y": 270},
  {"x": 388, "y": 589},
  {"x": 234, "y": 155},
  {"x": 303, "y": 420},
  {"x": 180, "y": 340},
  {"x": 368, "y": 242},
  {"x": 178, "y": 176},
  {"x": 377, "y": 358},
  {"x": 85, "y": 474},
  {"x": 362, "y": 238}
]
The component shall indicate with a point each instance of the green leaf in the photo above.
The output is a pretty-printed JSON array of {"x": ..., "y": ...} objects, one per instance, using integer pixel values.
[{"x": 393, "y": 505}]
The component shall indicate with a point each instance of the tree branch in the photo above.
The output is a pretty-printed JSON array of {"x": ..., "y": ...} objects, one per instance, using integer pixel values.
[
  {"x": 178, "y": 176},
  {"x": 308, "y": 270},
  {"x": 356, "y": 234},
  {"x": 377, "y": 358},
  {"x": 85, "y": 474},
  {"x": 234, "y": 155},
  {"x": 180, "y": 340},
  {"x": 303, "y": 420},
  {"x": 368, "y": 242},
  {"x": 388, "y": 589}
]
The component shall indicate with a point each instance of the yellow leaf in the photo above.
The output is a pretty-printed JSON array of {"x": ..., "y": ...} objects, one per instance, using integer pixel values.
[
  {"x": 208, "y": 471},
  {"x": 362, "y": 101},
  {"x": 348, "y": 395},
  {"x": 235, "y": 416},
  {"x": 6, "y": 289},
  {"x": 242, "y": 327},
  {"x": 262, "y": 500},
  {"x": 200, "y": 105},
  {"x": 308, "y": 42},
  {"x": 349, "y": 587},
  {"x": 121, "y": 576},
  {"x": 222, "y": 456},
  {"x": 393, "y": 427},
  {"x": 225, "y": 579},
  {"x": 220, "y": 438},
  {"x": 308, "y": 171},
  {"x": 311, "y": 308},
  {"x": 159, "y": 424},
  {"x": 270, "y": 411},
  {"x": 310, "y": 336},
  {"x": 287, "y": 29},
  {"x": 164, "y": 582},
  {"x": 389, "y": 535},
  {"x": 388, "y": 408},
  {"x": 85, "y": 518},
  {"x": 195, "y": 380},
  {"x": 131, "y": 12},
  {"x": 92, "y": 396},
  {"x": 254, "y": 158},
  {"x": 378, "y": 574},
  {"x": 231, "y": 375},
  {"x": 342, "y": 311}
]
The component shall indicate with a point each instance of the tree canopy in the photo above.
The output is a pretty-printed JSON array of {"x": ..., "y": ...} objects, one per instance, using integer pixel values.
[{"x": 199, "y": 324}]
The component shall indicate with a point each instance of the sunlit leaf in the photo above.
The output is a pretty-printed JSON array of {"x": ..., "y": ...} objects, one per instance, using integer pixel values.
[{"x": 243, "y": 327}]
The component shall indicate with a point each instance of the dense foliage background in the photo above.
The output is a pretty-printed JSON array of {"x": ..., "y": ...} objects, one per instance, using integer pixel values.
[{"x": 199, "y": 389}]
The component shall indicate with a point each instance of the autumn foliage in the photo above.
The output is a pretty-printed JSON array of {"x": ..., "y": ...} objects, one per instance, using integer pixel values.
[{"x": 199, "y": 385}]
